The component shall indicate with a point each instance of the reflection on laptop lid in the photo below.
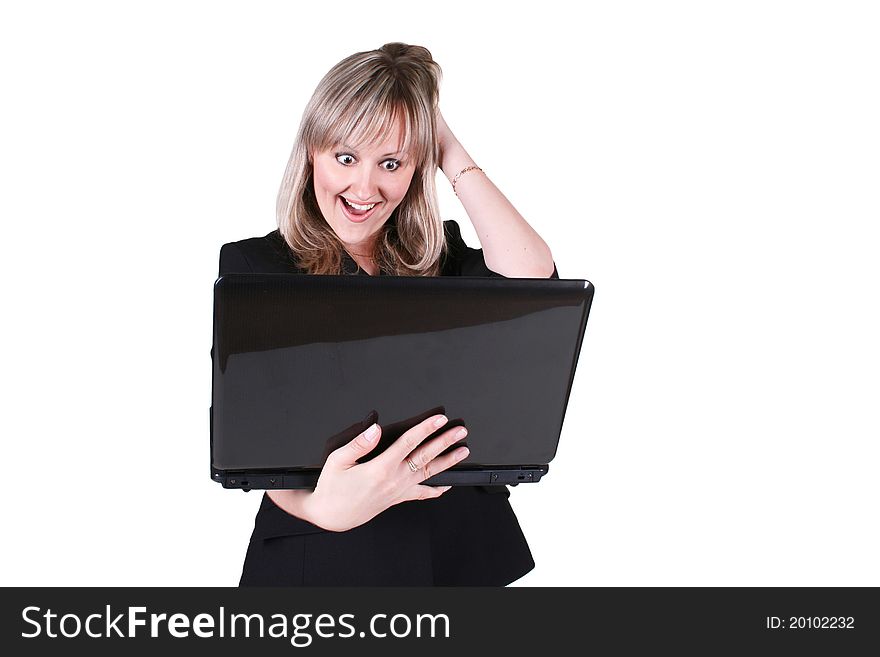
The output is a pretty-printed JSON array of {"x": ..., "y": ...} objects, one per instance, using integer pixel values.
[{"x": 302, "y": 364}]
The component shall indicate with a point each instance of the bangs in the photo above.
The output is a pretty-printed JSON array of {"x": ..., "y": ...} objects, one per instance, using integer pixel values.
[{"x": 358, "y": 123}]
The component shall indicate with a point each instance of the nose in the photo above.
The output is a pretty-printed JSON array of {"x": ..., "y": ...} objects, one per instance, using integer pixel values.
[{"x": 364, "y": 184}]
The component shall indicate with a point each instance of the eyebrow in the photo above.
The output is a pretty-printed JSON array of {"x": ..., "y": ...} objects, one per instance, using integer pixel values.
[{"x": 353, "y": 150}]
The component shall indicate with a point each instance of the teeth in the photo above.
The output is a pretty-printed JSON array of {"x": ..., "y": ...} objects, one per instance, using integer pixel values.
[{"x": 359, "y": 207}]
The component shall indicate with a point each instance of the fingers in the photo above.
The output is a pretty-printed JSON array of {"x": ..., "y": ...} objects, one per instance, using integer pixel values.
[
  {"x": 402, "y": 447},
  {"x": 347, "y": 455},
  {"x": 441, "y": 463},
  {"x": 420, "y": 492},
  {"x": 426, "y": 453}
]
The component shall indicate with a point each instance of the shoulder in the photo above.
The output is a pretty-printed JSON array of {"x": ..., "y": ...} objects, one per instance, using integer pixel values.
[
  {"x": 452, "y": 232},
  {"x": 451, "y": 229},
  {"x": 455, "y": 251},
  {"x": 267, "y": 254},
  {"x": 460, "y": 259},
  {"x": 463, "y": 260}
]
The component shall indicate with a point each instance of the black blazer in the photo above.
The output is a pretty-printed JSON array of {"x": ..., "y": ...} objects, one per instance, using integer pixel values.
[{"x": 467, "y": 537}]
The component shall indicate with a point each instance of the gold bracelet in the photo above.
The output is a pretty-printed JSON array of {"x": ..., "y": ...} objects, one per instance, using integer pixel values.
[{"x": 463, "y": 171}]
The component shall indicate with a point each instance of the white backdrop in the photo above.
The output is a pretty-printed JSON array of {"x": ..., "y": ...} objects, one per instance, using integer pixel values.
[{"x": 712, "y": 167}]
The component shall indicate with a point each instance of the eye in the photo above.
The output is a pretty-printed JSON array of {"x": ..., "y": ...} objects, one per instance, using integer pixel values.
[
  {"x": 345, "y": 158},
  {"x": 391, "y": 165}
]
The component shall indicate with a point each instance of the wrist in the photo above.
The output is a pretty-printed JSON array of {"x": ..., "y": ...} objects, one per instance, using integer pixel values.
[
  {"x": 452, "y": 154},
  {"x": 307, "y": 508},
  {"x": 293, "y": 502},
  {"x": 315, "y": 511}
]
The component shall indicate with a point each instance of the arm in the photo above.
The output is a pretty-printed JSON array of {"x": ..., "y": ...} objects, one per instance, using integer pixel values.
[
  {"x": 510, "y": 246},
  {"x": 349, "y": 493}
]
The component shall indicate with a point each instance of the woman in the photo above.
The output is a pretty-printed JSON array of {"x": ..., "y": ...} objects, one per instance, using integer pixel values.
[{"x": 358, "y": 197}]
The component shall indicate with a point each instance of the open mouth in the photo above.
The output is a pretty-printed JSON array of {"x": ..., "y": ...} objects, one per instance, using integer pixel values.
[{"x": 356, "y": 212}]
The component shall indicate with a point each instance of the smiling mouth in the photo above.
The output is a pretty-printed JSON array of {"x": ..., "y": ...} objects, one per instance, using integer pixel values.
[
  {"x": 361, "y": 208},
  {"x": 355, "y": 211}
]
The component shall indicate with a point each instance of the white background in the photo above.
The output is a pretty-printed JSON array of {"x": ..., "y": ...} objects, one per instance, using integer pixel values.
[{"x": 712, "y": 167}]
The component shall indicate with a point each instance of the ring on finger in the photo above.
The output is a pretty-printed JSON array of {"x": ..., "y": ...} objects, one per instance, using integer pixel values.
[{"x": 412, "y": 466}]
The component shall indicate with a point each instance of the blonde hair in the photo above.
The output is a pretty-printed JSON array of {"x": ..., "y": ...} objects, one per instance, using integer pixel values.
[{"x": 359, "y": 100}]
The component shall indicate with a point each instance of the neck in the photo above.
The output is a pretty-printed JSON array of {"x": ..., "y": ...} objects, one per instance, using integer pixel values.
[
  {"x": 368, "y": 265},
  {"x": 362, "y": 249}
]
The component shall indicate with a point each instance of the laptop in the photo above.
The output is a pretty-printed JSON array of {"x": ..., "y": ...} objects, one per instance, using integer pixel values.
[{"x": 303, "y": 364}]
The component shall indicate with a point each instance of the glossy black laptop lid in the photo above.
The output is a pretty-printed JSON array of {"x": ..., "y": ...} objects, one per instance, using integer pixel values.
[{"x": 302, "y": 363}]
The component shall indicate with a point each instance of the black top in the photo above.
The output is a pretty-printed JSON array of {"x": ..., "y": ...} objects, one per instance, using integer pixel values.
[{"x": 467, "y": 536}]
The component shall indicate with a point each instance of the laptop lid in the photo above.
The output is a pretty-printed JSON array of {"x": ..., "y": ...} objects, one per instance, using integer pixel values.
[{"x": 300, "y": 362}]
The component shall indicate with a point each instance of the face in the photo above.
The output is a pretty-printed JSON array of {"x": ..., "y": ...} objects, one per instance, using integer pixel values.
[{"x": 357, "y": 190}]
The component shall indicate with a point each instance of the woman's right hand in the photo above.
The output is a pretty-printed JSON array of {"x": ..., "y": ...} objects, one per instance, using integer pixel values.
[{"x": 349, "y": 493}]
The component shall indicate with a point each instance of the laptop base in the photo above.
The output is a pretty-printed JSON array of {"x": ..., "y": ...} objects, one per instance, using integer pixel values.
[{"x": 291, "y": 479}]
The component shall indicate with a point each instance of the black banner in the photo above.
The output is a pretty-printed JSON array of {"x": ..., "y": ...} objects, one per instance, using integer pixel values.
[{"x": 436, "y": 621}]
